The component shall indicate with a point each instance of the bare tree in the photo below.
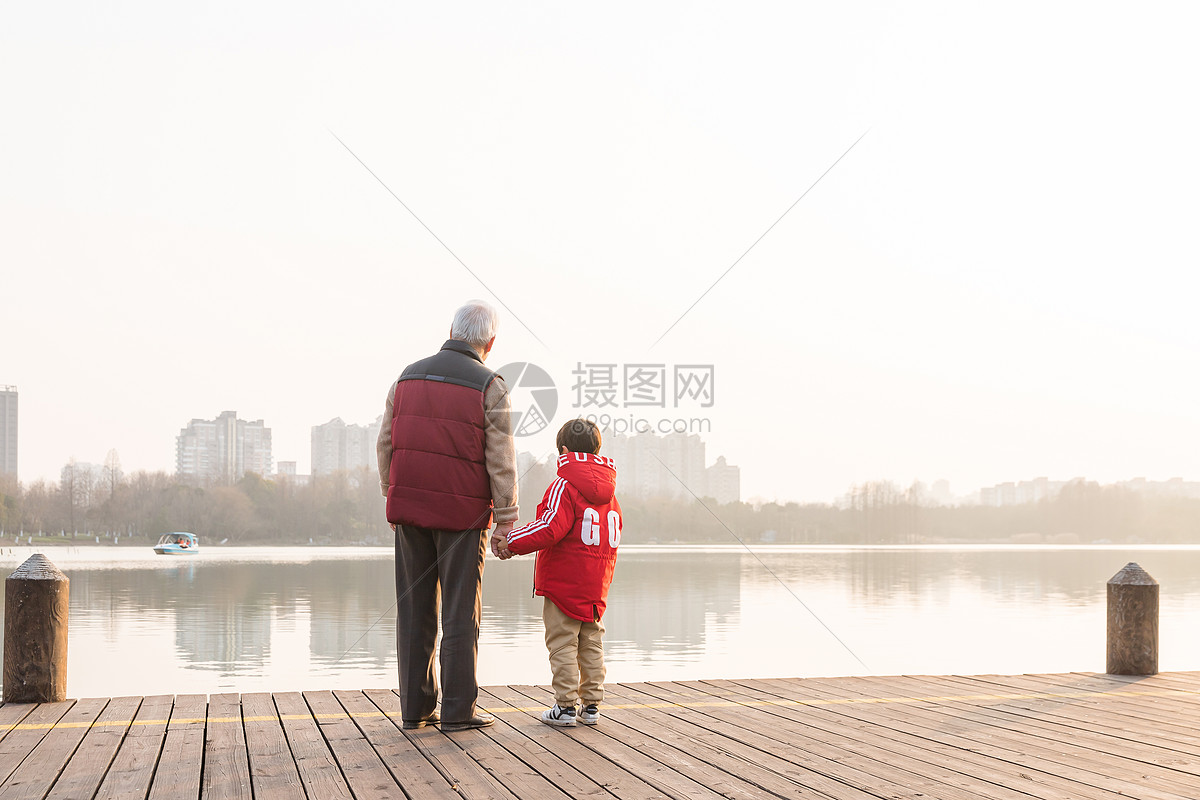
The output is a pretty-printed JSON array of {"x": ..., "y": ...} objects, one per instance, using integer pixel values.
[
  {"x": 112, "y": 473},
  {"x": 67, "y": 485},
  {"x": 10, "y": 503}
]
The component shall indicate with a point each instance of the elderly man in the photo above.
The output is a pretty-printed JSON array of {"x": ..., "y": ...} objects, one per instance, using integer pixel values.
[{"x": 447, "y": 466}]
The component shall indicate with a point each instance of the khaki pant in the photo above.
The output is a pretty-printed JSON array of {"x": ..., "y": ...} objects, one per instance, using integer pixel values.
[{"x": 576, "y": 657}]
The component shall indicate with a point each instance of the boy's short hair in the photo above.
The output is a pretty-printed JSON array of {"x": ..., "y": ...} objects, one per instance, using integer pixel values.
[{"x": 579, "y": 436}]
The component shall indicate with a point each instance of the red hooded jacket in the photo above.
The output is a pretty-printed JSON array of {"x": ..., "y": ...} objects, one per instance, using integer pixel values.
[{"x": 576, "y": 533}]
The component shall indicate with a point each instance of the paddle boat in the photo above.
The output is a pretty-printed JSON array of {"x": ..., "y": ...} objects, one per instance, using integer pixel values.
[{"x": 177, "y": 544}]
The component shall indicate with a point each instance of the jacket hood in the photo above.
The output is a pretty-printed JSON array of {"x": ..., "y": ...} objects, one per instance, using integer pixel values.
[{"x": 594, "y": 476}]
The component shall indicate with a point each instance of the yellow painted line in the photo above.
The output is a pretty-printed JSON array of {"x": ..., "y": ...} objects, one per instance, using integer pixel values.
[
  {"x": 865, "y": 700},
  {"x": 39, "y": 726}
]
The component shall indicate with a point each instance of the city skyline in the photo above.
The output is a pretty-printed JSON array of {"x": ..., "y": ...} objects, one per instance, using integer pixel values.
[
  {"x": 987, "y": 494},
  {"x": 679, "y": 471}
]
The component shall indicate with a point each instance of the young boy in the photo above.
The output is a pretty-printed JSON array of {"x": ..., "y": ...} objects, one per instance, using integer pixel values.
[{"x": 576, "y": 533}]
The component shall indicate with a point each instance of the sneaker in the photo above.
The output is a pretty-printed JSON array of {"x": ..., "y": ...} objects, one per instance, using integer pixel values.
[
  {"x": 589, "y": 714},
  {"x": 559, "y": 716}
]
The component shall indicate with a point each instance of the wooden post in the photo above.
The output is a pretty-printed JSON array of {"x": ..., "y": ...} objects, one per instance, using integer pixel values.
[
  {"x": 1132, "y": 622},
  {"x": 35, "y": 632}
]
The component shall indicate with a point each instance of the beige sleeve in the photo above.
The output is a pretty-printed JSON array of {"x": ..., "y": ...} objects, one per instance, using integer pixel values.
[
  {"x": 383, "y": 445},
  {"x": 500, "y": 451}
]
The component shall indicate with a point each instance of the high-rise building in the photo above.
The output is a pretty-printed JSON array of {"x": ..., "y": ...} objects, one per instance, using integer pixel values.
[
  {"x": 639, "y": 473},
  {"x": 682, "y": 466},
  {"x": 670, "y": 466},
  {"x": 8, "y": 430},
  {"x": 222, "y": 450},
  {"x": 338, "y": 447},
  {"x": 724, "y": 482},
  {"x": 940, "y": 493}
]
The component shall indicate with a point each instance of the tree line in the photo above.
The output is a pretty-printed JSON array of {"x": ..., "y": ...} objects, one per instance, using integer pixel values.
[
  {"x": 881, "y": 513},
  {"x": 348, "y": 508},
  {"x": 341, "y": 508}
]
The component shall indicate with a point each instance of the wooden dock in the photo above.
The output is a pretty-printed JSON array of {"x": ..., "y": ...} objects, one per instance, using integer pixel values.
[{"x": 1055, "y": 737}]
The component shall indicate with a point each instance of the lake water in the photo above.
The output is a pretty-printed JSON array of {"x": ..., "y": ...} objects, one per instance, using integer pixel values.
[{"x": 274, "y": 619}]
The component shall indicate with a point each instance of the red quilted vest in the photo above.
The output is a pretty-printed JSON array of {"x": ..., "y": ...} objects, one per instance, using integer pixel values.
[{"x": 438, "y": 476}]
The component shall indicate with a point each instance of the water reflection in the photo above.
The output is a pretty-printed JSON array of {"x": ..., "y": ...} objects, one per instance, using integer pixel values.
[{"x": 270, "y": 619}]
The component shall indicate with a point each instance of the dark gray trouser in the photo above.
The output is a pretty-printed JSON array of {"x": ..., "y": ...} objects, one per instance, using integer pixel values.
[{"x": 438, "y": 568}]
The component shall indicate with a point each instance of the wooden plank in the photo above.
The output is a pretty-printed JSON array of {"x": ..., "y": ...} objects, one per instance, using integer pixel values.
[
  {"x": 376, "y": 714},
  {"x": 1085, "y": 712},
  {"x": 623, "y": 770},
  {"x": 1100, "y": 745},
  {"x": 508, "y": 755},
  {"x": 482, "y": 748},
  {"x": 572, "y": 766},
  {"x": 1052, "y": 737},
  {"x": 1190, "y": 675},
  {"x": 365, "y": 773},
  {"x": 757, "y": 736},
  {"x": 854, "y": 728},
  {"x": 319, "y": 772},
  {"x": 1188, "y": 681},
  {"x": 33, "y": 727},
  {"x": 85, "y": 771},
  {"x": 1151, "y": 696},
  {"x": 865, "y": 766},
  {"x": 910, "y": 734},
  {"x": 128, "y": 777},
  {"x": 1148, "y": 683},
  {"x": 1160, "y": 760},
  {"x": 942, "y": 722},
  {"x": 178, "y": 772},
  {"x": 1182, "y": 687},
  {"x": 674, "y": 765},
  {"x": 12, "y": 714},
  {"x": 226, "y": 764},
  {"x": 37, "y": 773},
  {"x": 1050, "y": 742},
  {"x": 452, "y": 755},
  {"x": 273, "y": 773},
  {"x": 1135, "y": 702},
  {"x": 1145, "y": 700}
]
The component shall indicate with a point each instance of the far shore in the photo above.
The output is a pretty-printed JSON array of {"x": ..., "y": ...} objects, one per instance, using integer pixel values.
[{"x": 1021, "y": 540}]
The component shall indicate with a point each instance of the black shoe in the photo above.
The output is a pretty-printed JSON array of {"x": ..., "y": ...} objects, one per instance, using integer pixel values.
[
  {"x": 481, "y": 720},
  {"x": 414, "y": 724}
]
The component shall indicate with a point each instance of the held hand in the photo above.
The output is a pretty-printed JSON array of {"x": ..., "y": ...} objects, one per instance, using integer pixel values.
[{"x": 499, "y": 540}]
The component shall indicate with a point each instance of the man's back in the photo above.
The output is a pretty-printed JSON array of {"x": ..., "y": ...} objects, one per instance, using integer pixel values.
[{"x": 437, "y": 475}]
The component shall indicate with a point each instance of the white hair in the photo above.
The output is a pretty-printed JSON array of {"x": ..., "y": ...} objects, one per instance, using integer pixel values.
[{"x": 475, "y": 323}]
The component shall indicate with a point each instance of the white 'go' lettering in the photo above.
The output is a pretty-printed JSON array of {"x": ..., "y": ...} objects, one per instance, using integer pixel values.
[
  {"x": 590, "y": 531},
  {"x": 591, "y": 527}
]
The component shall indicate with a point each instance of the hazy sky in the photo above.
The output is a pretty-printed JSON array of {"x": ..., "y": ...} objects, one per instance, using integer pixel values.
[{"x": 998, "y": 282}]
